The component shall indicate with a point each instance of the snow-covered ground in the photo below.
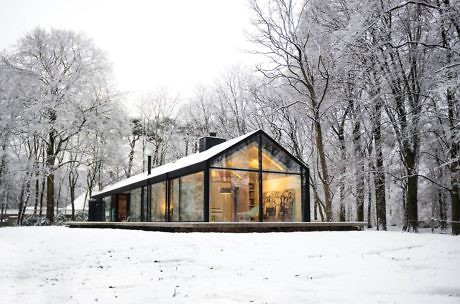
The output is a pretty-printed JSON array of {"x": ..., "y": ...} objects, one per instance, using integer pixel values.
[{"x": 62, "y": 265}]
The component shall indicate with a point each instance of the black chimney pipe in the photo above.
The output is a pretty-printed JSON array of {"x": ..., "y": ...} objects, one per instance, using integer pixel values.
[
  {"x": 210, "y": 141},
  {"x": 149, "y": 164}
]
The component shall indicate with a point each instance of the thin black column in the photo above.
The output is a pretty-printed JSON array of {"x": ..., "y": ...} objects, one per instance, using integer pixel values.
[
  {"x": 305, "y": 182},
  {"x": 168, "y": 197},
  {"x": 261, "y": 209},
  {"x": 149, "y": 202},
  {"x": 179, "y": 199},
  {"x": 167, "y": 217},
  {"x": 206, "y": 193},
  {"x": 142, "y": 204}
]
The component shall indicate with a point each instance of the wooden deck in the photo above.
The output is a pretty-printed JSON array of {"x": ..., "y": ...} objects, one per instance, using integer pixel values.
[{"x": 224, "y": 226}]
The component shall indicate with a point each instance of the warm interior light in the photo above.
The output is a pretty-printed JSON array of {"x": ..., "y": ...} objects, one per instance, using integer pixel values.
[
  {"x": 239, "y": 176},
  {"x": 163, "y": 207},
  {"x": 272, "y": 161}
]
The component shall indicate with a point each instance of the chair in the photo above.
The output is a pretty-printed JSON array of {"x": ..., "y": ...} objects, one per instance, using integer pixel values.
[{"x": 247, "y": 216}]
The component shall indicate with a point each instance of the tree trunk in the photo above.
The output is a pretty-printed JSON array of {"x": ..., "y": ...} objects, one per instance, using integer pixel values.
[
  {"x": 23, "y": 199},
  {"x": 72, "y": 201},
  {"x": 343, "y": 167},
  {"x": 452, "y": 111},
  {"x": 72, "y": 185},
  {"x": 454, "y": 197},
  {"x": 442, "y": 210},
  {"x": 318, "y": 206},
  {"x": 58, "y": 196},
  {"x": 324, "y": 170},
  {"x": 26, "y": 201},
  {"x": 2, "y": 213},
  {"x": 21, "y": 204},
  {"x": 379, "y": 172},
  {"x": 315, "y": 210},
  {"x": 50, "y": 160},
  {"x": 412, "y": 188},
  {"x": 132, "y": 145},
  {"x": 454, "y": 167},
  {"x": 359, "y": 170},
  {"x": 50, "y": 197},
  {"x": 409, "y": 143},
  {"x": 369, "y": 192},
  {"x": 42, "y": 195},
  {"x": 37, "y": 194}
]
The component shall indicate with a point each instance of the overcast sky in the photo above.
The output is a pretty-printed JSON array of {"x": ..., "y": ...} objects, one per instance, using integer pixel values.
[{"x": 176, "y": 43}]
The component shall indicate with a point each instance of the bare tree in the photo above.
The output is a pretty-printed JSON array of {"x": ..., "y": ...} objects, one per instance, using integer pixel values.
[{"x": 284, "y": 36}]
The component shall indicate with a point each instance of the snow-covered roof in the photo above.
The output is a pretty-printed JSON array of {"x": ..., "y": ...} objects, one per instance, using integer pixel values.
[{"x": 176, "y": 165}]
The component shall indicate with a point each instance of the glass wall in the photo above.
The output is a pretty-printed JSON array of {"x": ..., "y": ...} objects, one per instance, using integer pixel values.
[
  {"x": 157, "y": 210},
  {"x": 174, "y": 198},
  {"x": 275, "y": 159},
  {"x": 108, "y": 207},
  {"x": 191, "y": 197},
  {"x": 186, "y": 198},
  {"x": 239, "y": 180},
  {"x": 135, "y": 205},
  {"x": 281, "y": 197},
  {"x": 243, "y": 156},
  {"x": 234, "y": 196}
]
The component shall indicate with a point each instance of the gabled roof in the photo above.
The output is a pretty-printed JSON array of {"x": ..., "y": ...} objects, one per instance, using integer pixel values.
[
  {"x": 181, "y": 163},
  {"x": 183, "y": 166}
]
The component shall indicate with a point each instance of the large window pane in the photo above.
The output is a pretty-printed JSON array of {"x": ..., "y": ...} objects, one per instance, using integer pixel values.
[
  {"x": 275, "y": 159},
  {"x": 233, "y": 196},
  {"x": 281, "y": 197},
  {"x": 191, "y": 197},
  {"x": 158, "y": 202},
  {"x": 135, "y": 205},
  {"x": 243, "y": 156},
  {"x": 108, "y": 208},
  {"x": 187, "y": 198},
  {"x": 174, "y": 197}
]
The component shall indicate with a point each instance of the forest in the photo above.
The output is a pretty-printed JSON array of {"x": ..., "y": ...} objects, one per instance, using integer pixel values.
[{"x": 364, "y": 92}]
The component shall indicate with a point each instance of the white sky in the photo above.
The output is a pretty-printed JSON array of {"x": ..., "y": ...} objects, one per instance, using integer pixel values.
[{"x": 174, "y": 44}]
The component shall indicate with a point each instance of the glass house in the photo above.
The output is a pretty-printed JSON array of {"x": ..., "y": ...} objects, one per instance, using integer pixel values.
[{"x": 250, "y": 178}]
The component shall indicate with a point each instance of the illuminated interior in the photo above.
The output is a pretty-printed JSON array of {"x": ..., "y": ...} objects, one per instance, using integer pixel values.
[
  {"x": 158, "y": 202},
  {"x": 243, "y": 156},
  {"x": 234, "y": 196},
  {"x": 276, "y": 159},
  {"x": 282, "y": 197}
]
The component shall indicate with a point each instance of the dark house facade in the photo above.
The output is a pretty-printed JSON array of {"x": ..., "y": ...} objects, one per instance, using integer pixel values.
[{"x": 247, "y": 179}]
